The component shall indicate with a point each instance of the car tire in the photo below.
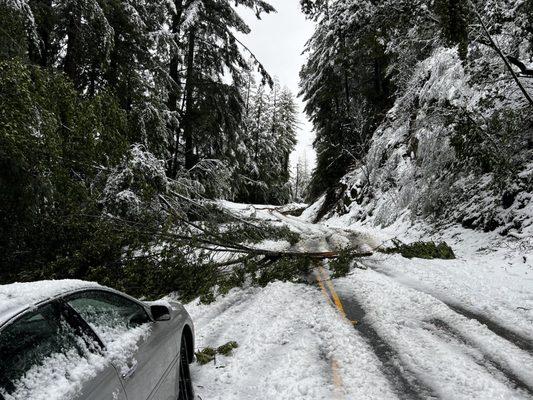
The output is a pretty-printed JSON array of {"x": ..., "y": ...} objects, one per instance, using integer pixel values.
[{"x": 186, "y": 391}]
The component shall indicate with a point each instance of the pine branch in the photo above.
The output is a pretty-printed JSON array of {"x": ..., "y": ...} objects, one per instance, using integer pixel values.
[
  {"x": 500, "y": 53},
  {"x": 200, "y": 228}
]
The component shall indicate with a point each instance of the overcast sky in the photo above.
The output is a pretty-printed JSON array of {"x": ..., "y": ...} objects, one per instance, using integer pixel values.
[{"x": 278, "y": 41}]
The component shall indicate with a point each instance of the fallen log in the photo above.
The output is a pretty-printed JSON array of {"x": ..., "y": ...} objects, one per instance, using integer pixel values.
[{"x": 323, "y": 255}]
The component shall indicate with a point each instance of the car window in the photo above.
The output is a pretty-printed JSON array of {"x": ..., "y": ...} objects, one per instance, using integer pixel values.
[
  {"x": 104, "y": 310},
  {"x": 30, "y": 341},
  {"x": 120, "y": 323}
]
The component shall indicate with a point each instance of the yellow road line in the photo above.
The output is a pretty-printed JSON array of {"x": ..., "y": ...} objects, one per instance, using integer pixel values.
[
  {"x": 324, "y": 291},
  {"x": 337, "y": 379},
  {"x": 334, "y": 295},
  {"x": 336, "y": 299}
]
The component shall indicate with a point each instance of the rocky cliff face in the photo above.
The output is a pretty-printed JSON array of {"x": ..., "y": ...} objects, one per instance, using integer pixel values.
[{"x": 457, "y": 147}]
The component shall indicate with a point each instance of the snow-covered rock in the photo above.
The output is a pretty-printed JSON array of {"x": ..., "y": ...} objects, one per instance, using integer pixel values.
[{"x": 422, "y": 162}]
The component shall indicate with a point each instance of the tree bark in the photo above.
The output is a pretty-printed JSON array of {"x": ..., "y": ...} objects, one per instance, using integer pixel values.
[
  {"x": 345, "y": 66},
  {"x": 259, "y": 114},
  {"x": 189, "y": 91},
  {"x": 41, "y": 54},
  {"x": 71, "y": 57},
  {"x": 173, "y": 90}
]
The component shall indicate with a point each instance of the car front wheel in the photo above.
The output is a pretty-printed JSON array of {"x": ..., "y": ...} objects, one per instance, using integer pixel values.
[{"x": 186, "y": 391}]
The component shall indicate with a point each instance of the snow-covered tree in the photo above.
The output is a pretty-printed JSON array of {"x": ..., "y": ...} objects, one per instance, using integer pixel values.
[
  {"x": 107, "y": 105},
  {"x": 424, "y": 106},
  {"x": 268, "y": 139},
  {"x": 300, "y": 179}
]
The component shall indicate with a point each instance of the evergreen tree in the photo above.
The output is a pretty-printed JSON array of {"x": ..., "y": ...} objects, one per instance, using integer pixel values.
[
  {"x": 300, "y": 180},
  {"x": 268, "y": 139},
  {"x": 454, "y": 18},
  {"x": 106, "y": 104},
  {"x": 210, "y": 50},
  {"x": 346, "y": 85}
]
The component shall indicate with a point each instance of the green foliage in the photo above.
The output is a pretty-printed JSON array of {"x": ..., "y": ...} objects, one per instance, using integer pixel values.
[
  {"x": 263, "y": 148},
  {"x": 53, "y": 146},
  {"x": 236, "y": 278},
  {"x": 92, "y": 128},
  {"x": 208, "y": 354},
  {"x": 341, "y": 265},
  {"x": 133, "y": 265},
  {"x": 492, "y": 145},
  {"x": 425, "y": 250},
  {"x": 284, "y": 269},
  {"x": 314, "y": 8},
  {"x": 241, "y": 232},
  {"x": 346, "y": 84},
  {"x": 227, "y": 348},
  {"x": 205, "y": 356},
  {"x": 265, "y": 231},
  {"x": 331, "y": 166},
  {"x": 285, "y": 233},
  {"x": 13, "y": 33}
]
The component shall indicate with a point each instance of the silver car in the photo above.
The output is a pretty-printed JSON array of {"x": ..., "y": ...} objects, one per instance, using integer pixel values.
[{"x": 79, "y": 340}]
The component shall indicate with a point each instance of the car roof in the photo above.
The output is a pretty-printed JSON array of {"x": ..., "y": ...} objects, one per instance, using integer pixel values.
[{"x": 19, "y": 297}]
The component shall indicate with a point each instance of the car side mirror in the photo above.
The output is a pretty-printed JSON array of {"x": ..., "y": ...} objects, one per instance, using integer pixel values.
[{"x": 160, "y": 312}]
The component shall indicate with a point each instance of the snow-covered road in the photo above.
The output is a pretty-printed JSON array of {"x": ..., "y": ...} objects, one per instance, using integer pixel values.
[{"x": 459, "y": 329}]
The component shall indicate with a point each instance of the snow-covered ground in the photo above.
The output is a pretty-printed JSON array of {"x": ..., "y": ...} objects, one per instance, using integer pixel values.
[{"x": 459, "y": 329}]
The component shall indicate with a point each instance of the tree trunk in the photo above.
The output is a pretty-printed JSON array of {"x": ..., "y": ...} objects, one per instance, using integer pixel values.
[
  {"x": 189, "y": 91},
  {"x": 41, "y": 54},
  {"x": 297, "y": 182},
  {"x": 248, "y": 94},
  {"x": 71, "y": 57},
  {"x": 173, "y": 90},
  {"x": 274, "y": 110},
  {"x": 345, "y": 66},
  {"x": 259, "y": 114}
]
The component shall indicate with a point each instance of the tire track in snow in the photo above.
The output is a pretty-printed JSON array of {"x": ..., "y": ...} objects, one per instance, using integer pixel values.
[
  {"x": 287, "y": 334},
  {"x": 499, "y": 351},
  {"x": 405, "y": 383},
  {"x": 505, "y": 333},
  {"x": 449, "y": 333},
  {"x": 515, "y": 338}
]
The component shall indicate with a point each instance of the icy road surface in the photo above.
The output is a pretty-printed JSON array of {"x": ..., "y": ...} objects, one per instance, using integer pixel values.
[{"x": 401, "y": 329}]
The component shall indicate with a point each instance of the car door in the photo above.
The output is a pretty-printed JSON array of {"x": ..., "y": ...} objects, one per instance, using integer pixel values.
[
  {"x": 43, "y": 356},
  {"x": 144, "y": 352}
]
